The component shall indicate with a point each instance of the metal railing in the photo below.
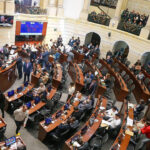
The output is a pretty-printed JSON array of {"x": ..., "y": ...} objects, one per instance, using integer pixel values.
[{"x": 30, "y": 10}]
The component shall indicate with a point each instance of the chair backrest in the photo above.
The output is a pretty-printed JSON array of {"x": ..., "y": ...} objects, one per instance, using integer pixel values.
[
  {"x": 123, "y": 73},
  {"x": 129, "y": 83},
  {"x": 99, "y": 65},
  {"x": 105, "y": 138},
  {"x": 84, "y": 146},
  {"x": 126, "y": 77},
  {"x": 147, "y": 81},
  {"x": 132, "y": 88}
]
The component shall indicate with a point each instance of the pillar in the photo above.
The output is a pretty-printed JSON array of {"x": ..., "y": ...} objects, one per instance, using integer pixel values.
[
  {"x": 84, "y": 12},
  {"x": 146, "y": 30},
  {"x": 60, "y": 9},
  {"x": 51, "y": 11},
  {"x": 9, "y": 7},
  {"x": 43, "y": 4},
  {"x": 124, "y": 5},
  {"x": 114, "y": 21},
  {"x": 2, "y": 6}
]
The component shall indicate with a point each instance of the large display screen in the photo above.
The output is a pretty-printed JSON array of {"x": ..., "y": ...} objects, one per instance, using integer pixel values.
[
  {"x": 31, "y": 28},
  {"x": 6, "y": 21}
]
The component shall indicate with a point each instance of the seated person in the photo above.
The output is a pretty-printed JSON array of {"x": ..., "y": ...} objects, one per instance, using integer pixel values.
[
  {"x": 110, "y": 113},
  {"x": 138, "y": 125},
  {"x": 92, "y": 87},
  {"x": 137, "y": 67},
  {"x": 140, "y": 76},
  {"x": 45, "y": 77},
  {"x": 109, "y": 60},
  {"x": 146, "y": 129},
  {"x": 73, "y": 122},
  {"x": 41, "y": 89},
  {"x": 62, "y": 127},
  {"x": 108, "y": 80},
  {"x": 114, "y": 122},
  {"x": 87, "y": 81},
  {"x": 139, "y": 108}
]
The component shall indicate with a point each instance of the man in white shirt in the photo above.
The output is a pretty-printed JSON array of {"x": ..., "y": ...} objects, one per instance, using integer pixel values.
[
  {"x": 21, "y": 117},
  {"x": 111, "y": 112},
  {"x": 114, "y": 122}
]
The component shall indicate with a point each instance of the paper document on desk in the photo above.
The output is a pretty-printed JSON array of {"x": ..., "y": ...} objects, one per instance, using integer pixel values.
[
  {"x": 129, "y": 133},
  {"x": 105, "y": 122},
  {"x": 130, "y": 105},
  {"x": 102, "y": 108},
  {"x": 129, "y": 122}
]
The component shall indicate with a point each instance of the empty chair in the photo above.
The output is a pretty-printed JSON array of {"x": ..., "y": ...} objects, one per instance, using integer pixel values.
[
  {"x": 129, "y": 83},
  {"x": 96, "y": 143},
  {"x": 132, "y": 88},
  {"x": 126, "y": 77},
  {"x": 146, "y": 81},
  {"x": 85, "y": 146},
  {"x": 116, "y": 65},
  {"x": 123, "y": 73}
]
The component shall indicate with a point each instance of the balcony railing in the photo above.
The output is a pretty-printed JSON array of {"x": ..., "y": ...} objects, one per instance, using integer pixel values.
[
  {"x": 107, "y": 3},
  {"x": 30, "y": 10},
  {"x": 130, "y": 27},
  {"x": 99, "y": 18}
]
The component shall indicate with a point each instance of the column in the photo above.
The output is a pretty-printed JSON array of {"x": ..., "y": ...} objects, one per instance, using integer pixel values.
[
  {"x": 60, "y": 9},
  {"x": 124, "y": 5},
  {"x": 51, "y": 11},
  {"x": 114, "y": 21},
  {"x": 84, "y": 12},
  {"x": 146, "y": 30},
  {"x": 2, "y": 6},
  {"x": 43, "y": 4},
  {"x": 9, "y": 7}
]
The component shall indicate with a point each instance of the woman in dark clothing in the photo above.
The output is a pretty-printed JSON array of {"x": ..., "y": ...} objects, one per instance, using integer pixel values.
[{"x": 2, "y": 103}]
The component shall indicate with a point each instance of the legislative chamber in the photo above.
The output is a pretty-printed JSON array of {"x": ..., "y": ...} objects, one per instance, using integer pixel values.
[{"x": 74, "y": 75}]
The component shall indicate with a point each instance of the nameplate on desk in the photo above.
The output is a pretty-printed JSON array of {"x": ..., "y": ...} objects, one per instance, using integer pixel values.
[{"x": 129, "y": 133}]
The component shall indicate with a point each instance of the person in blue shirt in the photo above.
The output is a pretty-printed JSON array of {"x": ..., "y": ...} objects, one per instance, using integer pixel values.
[{"x": 45, "y": 57}]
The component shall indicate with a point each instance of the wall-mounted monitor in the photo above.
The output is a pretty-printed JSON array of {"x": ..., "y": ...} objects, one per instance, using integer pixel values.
[
  {"x": 31, "y": 28},
  {"x": 6, "y": 21}
]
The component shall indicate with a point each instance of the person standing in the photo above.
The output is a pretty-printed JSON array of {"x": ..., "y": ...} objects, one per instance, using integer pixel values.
[
  {"x": 27, "y": 68},
  {"x": 2, "y": 103},
  {"x": 21, "y": 117},
  {"x": 19, "y": 67}
]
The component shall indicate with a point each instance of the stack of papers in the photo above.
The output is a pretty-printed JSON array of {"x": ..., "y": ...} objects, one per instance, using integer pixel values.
[{"x": 129, "y": 122}]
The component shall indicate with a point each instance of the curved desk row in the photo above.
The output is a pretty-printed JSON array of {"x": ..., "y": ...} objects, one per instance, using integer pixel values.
[
  {"x": 101, "y": 87},
  {"x": 120, "y": 88},
  {"x": 77, "y": 76},
  {"x": 140, "y": 91},
  {"x": 43, "y": 129},
  {"x": 7, "y": 77},
  {"x": 91, "y": 129}
]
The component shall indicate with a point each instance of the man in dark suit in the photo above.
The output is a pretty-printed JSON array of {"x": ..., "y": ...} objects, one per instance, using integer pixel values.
[
  {"x": 45, "y": 57},
  {"x": 6, "y": 51},
  {"x": 19, "y": 67},
  {"x": 27, "y": 68},
  {"x": 93, "y": 87},
  {"x": 2, "y": 103}
]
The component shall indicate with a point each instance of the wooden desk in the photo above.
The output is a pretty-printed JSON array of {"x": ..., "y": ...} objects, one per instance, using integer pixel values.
[
  {"x": 91, "y": 129},
  {"x": 17, "y": 138},
  {"x": 77, "y": 76},
  {"x": 63, "y": 58},
  {"x": 140, "y": 91},
  {"x": 77, "y": 57},
  {"x": 43, "y": 130},
  {"x": 126, "y": 138},
  {"x": 2, "y": 123},
  {"x": 125, "y": 105},
  {"x": 7, "y": 77},
  {"x": 120, "y": 88},
  {"x": 57, "y": 77},
  {"x": 35, "y": 78},
  {"x": 19, "y": 95},
  {"x": 101, "y": 88}
]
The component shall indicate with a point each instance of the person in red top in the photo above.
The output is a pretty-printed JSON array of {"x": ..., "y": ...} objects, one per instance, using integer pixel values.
[{"x": 146, "y": 129}]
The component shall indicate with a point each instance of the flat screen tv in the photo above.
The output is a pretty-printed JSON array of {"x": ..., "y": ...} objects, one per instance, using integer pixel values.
[
  {"x": 6, "y": 21},
  {"x": 31, "y": 28}
]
